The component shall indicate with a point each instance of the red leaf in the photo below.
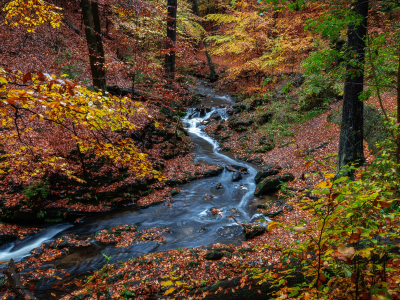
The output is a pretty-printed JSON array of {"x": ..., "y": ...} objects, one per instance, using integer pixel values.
[
  {"x": 27, "y": 77},
  {"x": 41, "y": 76},
  {"x": 354, "y": 237},
  {"x": 11, "y": 100}
]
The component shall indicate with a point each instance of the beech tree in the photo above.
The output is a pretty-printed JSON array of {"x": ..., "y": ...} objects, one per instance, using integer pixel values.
[
  {"x": 171, "y": 40},
  {"x": 91, "y": 19},
  {"x": 351, "y": 130}
]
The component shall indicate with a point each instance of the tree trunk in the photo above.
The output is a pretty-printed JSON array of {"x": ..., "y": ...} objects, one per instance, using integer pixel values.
[
  {"x": 351, "y": 131},
  {"x": 91, "y": 19},
  {"x": 171, "y": 40},
  {"x": 398, "y": 111},
  {"x": 213, "y": 76}
]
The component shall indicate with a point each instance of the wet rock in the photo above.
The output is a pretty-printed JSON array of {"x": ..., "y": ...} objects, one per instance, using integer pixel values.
[
  {"x": 202, "y": 112},
  {"x": 219, "y": 186},
  {"x": 236, "y": 176},
  {"x": 214, "y": 255},
  {"x": 7, "y": 238},
  {"x": 216, "y": 117},
  {"x": 269, "y": 170},
  {"x": 64, "y": 245},
  {"x": 214, "y": 172},
  {"x": 236, "y": 168},
  {"x": 173, "y": 192},
  {"x": 37, "y": 251},
  {"x": 273, "y": 214},
  {"x": 253, "y": 230},
  {"x": 272, "y": 183},
  {"x": 193, "y": 115},
  {"x": 229, "y": 168}
]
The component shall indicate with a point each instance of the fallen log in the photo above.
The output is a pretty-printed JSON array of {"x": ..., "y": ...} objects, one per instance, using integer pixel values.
[{"x": 20, "y": 290}]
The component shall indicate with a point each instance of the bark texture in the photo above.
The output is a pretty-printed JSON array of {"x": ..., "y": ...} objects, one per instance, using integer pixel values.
[
  {"x": 171, "y": 40},
  {"x": 398, "y": 111},
  {"x": 91, "y": 19},
  {"x": 351, "y": 131}
]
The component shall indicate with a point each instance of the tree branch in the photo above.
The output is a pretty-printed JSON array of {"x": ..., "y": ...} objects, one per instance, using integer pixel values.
[{"x": 70, "y": 25}]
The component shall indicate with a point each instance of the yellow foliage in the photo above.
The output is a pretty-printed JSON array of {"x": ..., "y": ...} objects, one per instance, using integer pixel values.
[
  {"x": 84, "y": 120},
  {"x": 31, "y": 13}
]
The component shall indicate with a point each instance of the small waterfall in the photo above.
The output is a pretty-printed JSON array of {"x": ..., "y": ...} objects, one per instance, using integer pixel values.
[{"x": 19, "y": 250}]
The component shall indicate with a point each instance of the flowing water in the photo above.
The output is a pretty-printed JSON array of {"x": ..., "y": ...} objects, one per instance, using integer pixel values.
[{"x": 189, "y": 214}]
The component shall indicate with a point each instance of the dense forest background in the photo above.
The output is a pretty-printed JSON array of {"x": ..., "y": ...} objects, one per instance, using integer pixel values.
[{"x": 93, "y": 97}]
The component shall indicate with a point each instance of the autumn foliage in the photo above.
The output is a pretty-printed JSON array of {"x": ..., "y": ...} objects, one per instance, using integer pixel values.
[{"x": 57, "y": 126}]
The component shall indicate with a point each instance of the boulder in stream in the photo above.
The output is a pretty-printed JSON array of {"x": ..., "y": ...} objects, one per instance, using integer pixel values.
[
  {"x": 236, "y": 176},
  {"x": 272, "y": 183},
  {"x": 236, "y": 168}
]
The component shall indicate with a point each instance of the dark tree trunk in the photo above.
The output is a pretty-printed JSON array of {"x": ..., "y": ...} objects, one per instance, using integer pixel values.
[
  {"x": 351, "y": 131},
  {"x": 91, "y": 19},
  {"x": 398, "y": 111},
  {"x": 171, "y": 40}
]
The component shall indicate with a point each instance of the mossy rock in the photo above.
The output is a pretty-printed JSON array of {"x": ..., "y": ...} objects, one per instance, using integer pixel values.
[
  {"x": 173, "y": 192},
  {"x": 253, "y": 230},
  {"x": 265, "y": 148},
  {"x": 272, "y": 183},
  {"x": 214, "y": 255},
  {"x": 269, "y": 170}
]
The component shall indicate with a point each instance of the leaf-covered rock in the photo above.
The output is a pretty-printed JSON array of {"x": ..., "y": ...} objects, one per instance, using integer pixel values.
[{"x": 272, "y": 183}]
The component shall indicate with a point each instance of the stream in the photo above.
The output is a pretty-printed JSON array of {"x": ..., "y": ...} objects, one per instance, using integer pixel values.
[{"x": 189, "y": 214}]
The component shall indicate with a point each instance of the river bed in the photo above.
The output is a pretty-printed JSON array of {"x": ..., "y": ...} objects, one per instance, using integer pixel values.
[{"x": 190, "y": 220}]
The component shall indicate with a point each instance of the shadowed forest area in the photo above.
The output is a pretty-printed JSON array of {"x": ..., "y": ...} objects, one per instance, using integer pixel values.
[{"x": 200, "y": 149}]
